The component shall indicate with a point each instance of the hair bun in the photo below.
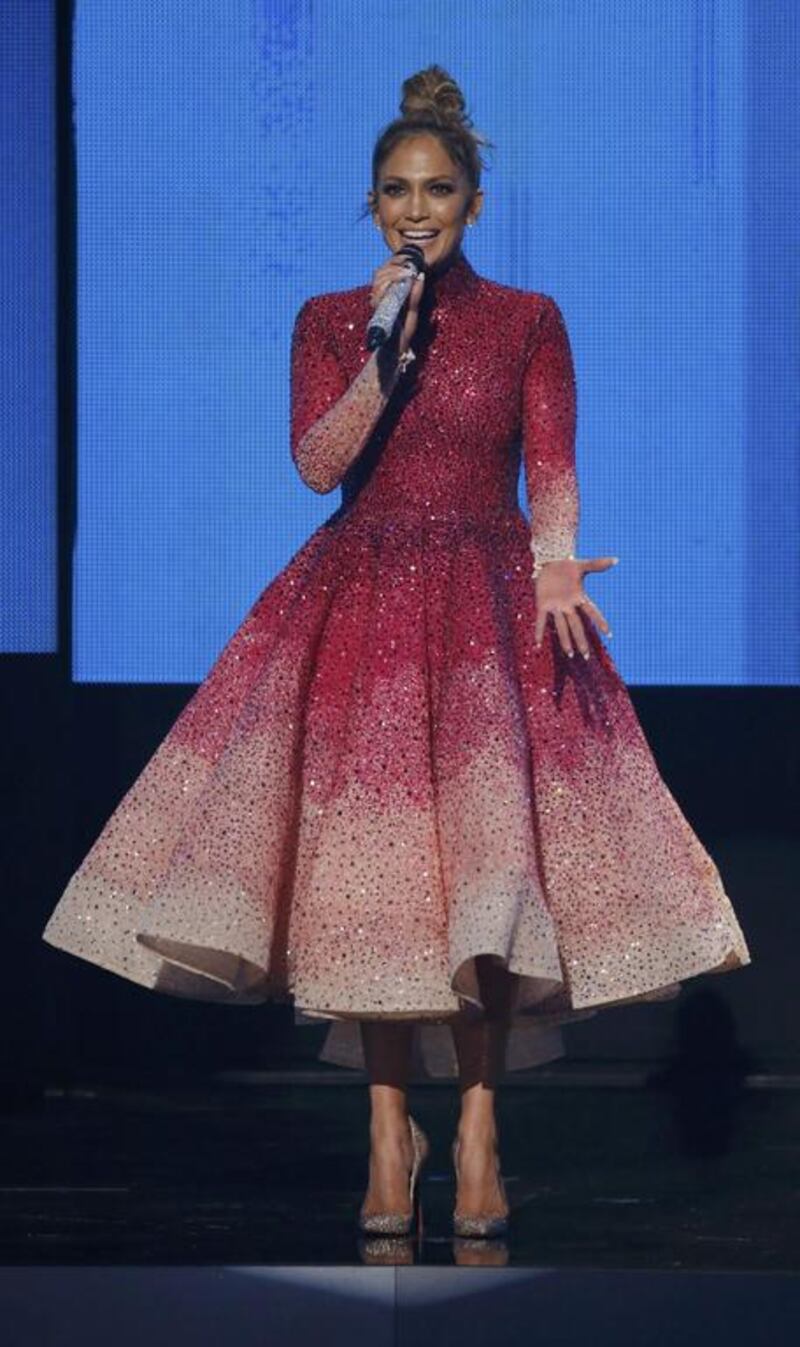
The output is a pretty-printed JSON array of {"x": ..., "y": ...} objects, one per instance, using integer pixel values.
[{"x": 434, "y": 93}]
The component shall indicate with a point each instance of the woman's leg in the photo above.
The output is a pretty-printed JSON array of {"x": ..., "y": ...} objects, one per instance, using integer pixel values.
[
  {"x": 480, "y": 1045},
  {"x": 387, "y": 1056}
]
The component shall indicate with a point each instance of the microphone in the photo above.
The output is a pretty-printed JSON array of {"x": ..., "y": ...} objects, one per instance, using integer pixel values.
[{"x": 385, "y": 314}]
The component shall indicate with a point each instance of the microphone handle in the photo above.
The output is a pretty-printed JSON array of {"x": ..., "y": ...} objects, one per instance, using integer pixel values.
[{"x": 381, "y": 324}]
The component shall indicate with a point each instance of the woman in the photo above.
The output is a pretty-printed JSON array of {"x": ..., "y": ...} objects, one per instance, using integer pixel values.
[{"x": 412, "y": 796}]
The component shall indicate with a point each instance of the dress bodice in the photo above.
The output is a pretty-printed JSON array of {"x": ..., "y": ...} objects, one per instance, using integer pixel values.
[{"x": 492, "y": 386}]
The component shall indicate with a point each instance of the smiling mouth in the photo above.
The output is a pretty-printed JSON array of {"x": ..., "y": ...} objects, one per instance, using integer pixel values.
[{"x": 426, "y": 237}]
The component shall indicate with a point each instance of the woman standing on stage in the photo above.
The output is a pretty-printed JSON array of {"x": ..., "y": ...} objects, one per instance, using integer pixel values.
[{"x": 412, "y": 796}]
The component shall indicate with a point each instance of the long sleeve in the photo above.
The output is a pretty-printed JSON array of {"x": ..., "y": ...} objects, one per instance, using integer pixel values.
[
  {"x": 330, "y": 421},
  {"x": 549, "y": 414}
]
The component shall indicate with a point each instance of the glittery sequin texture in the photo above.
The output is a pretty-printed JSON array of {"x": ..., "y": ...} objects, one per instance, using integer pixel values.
[{"x": 381, "y": 777}]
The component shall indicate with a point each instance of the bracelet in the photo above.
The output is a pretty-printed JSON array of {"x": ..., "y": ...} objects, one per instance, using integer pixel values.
[{"x": 404, "y": 360}]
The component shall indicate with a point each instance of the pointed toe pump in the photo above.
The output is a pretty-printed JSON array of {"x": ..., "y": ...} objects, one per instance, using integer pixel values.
[
  {"x": 485, "y": 1224},
  {"x": 399, "y": 1222}
]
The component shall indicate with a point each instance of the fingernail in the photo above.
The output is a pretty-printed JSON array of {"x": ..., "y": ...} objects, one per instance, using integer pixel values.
[
  {"x": 586, "y": 654},
  {"x": 614, "y": 560},
  {"x": 609, "y": 633}
]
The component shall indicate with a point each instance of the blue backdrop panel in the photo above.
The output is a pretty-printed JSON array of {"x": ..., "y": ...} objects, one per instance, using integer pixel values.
[
  {"x": 28, "y": 457},
  {"x": 223, "y": 157}
]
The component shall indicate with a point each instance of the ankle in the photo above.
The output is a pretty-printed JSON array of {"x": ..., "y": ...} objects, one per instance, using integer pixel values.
[
  {"x": 387, "y": 1123},
  {"x": 477, "y": 1130}
]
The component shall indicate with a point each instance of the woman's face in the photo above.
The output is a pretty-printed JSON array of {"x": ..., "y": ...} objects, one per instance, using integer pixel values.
[{"x": 421, "y": 190}]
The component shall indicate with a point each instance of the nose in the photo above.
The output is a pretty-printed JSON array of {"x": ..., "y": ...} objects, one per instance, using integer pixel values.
[{"x": 417, "y": 212}]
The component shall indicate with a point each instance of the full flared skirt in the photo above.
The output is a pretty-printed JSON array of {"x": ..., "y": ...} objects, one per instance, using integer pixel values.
[{"x": 381, "y": 778}]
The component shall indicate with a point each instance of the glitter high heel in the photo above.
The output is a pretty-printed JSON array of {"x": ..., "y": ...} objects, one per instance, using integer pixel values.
[
  {"x": 484, "y": 1225},
  {"x": 398, "y": 1222}
]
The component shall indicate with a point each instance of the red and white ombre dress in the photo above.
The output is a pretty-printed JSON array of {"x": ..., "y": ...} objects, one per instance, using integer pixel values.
[{"x": 382, "y": 776}]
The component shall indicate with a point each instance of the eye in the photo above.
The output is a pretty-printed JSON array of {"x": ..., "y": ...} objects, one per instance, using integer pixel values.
[{"x": 391, "y": 188}]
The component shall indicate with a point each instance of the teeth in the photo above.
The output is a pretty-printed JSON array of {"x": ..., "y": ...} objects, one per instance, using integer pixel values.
[{"x": 428, "y": 234}]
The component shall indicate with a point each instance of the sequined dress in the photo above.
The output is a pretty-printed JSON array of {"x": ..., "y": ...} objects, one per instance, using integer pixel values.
[{"x": 381, "y": 776}]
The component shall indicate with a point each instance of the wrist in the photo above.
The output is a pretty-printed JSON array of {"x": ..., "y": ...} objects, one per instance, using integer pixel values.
[
  {"x": 389, "y": 369},
  {"x": 539, "y": 562}
]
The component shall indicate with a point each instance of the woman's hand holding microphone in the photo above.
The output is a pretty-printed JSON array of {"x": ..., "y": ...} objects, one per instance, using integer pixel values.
[{"x": 391, "y": 270}]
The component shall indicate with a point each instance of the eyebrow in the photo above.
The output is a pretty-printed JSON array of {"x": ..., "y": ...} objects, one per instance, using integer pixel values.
[{"x": 437, "y": 177}]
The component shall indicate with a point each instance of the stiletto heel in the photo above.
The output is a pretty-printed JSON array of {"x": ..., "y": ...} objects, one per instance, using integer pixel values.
[
  {"x": 418, "y": 1216},
  {"x": 398, "y": 1222},
  {"x": 484, "y": 1225}
]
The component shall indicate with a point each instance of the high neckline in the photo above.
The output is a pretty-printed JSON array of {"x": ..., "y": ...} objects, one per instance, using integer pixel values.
[{"x": 458, "y": 279}]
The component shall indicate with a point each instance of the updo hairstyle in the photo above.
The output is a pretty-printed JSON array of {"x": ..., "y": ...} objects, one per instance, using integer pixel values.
[{"x": 433, "y": 104}]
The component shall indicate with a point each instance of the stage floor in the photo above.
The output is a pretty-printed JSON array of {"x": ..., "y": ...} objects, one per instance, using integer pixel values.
[{"x": 605, "y": 1168}]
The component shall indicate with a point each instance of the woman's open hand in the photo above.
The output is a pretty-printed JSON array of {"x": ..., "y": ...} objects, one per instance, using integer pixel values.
[{"x": 559, "y": 590}]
